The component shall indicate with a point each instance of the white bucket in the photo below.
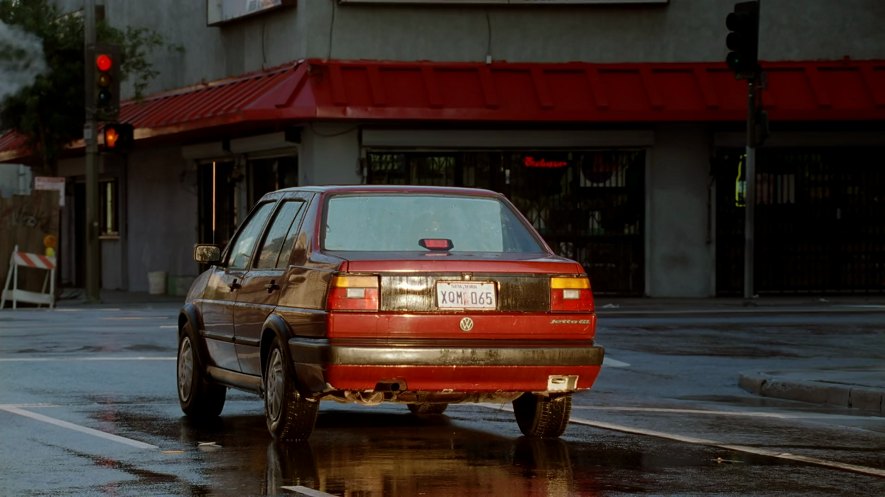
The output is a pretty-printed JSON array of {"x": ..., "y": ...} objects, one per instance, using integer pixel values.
[{"x": 157, "y": 282}]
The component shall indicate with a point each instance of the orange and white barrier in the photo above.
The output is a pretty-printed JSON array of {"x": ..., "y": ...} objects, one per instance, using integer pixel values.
[{"x": 36, "y": 261}]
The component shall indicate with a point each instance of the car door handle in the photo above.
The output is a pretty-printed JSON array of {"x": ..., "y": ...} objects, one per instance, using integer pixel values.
[
  {"x": 234, "y": 286},
  {"x": 271, "y": 287}
]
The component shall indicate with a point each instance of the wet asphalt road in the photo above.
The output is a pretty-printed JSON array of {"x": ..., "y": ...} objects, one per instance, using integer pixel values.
[{"x": 88, "y": 407}]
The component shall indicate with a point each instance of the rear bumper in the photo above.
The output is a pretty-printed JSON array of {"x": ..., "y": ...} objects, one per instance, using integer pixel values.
[{"x": 444, "y": 365}]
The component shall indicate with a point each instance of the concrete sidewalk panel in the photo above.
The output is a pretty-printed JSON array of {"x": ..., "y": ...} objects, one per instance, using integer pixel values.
[
  {"x": 806, "y": 391},
  {"x": 785, "y": 386}
]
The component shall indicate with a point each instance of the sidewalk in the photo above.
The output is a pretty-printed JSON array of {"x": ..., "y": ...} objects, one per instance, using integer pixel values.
[
  {"x": 614, "y": 307},
  {"x": 862, "y": 389},
  {"x": 75, "y": 297},
  {"x": 859, "y": 389}
]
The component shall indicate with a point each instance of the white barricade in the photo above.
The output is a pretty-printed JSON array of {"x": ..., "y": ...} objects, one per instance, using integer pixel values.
[{"x": 37, "y": 261}]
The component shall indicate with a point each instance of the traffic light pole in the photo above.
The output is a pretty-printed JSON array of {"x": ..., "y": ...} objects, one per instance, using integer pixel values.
[
  {"x": 93, "y": 250},
  {"x": 753, "y": 87}
]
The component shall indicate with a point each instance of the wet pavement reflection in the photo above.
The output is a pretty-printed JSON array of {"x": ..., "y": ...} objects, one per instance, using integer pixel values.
[{"x": 361, "y": 452}]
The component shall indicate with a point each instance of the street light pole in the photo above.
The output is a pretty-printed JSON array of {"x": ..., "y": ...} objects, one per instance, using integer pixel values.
[
  {"x": 93, "y": 254},
  {"x": 750, "y": 197}
]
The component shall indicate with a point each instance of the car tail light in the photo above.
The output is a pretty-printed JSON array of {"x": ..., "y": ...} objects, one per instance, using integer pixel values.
[
  {"x": 353, "y": 293},
  {"x": 570, "y": 294}
]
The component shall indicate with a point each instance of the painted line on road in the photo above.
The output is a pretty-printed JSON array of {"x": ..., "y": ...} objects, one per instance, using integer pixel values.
[
  {"x": 748, "y": 414},
  {"x": 68, "y": 359},
  {"x": 737, "y": 448},
  {"x": 307, "y": 491},
  {"x": 751, "y": 414},
  {"x": 75, "y": 427},
  {"x": 714, "y": 443},
  {"x": 614, "y": 363}
]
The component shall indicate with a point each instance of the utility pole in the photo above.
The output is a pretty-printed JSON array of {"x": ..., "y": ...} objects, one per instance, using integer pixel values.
[
  {"x": 93, "y": 249},
  {"x": 743, "y": 59},
  {"x": 753, "y": 88}
]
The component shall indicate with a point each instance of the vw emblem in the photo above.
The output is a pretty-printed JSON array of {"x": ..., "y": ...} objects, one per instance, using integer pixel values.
[{"x": 466, "y": 324}]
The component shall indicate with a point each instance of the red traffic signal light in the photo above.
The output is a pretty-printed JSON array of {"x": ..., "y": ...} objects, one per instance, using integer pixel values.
[
  {"x": 118, "y": 137},
  {"x": 106, "y": 77},
  {"x": 743, "y": 39},
  {"x": 104, "y": 62}
]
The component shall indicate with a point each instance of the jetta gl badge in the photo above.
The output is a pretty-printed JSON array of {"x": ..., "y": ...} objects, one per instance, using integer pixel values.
[{"x": 466, "y": 324}]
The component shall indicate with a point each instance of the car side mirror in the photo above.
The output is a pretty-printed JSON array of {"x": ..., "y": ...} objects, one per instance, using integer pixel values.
[{"x": 207, "y": 254}]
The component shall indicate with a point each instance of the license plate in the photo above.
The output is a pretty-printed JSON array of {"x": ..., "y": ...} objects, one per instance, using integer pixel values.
[{"x": 466, "y": 295}]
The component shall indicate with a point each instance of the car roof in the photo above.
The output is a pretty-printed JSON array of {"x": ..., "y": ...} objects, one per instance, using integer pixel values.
[{"x": 438, "y": 190}]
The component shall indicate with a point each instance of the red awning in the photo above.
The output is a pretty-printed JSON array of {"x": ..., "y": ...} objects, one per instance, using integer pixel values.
[
  {"x": 577, "y": 92},
  {"x": 593, "y": 93}
]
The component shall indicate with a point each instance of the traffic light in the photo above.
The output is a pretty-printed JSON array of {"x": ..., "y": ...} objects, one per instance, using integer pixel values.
[
  {"x": 106, "y": 87},
  {"x": 118, "y": 137},
  {"x": 743, "y": 39}
]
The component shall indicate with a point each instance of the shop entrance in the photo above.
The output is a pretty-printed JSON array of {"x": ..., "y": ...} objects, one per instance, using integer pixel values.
[
  {"x": 228, "y": 189},
  {"x": 588, "y": 205},
  {"x": 820, "y": 221}
]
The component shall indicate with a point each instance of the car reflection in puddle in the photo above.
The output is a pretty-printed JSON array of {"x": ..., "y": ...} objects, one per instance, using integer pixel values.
[{"x": 361, "y": 452}]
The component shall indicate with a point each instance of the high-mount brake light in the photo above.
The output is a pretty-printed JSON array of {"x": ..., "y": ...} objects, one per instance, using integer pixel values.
[
  {"x": 353, "y": 293},
  {"x": 569, "y": 294},
  {"x": 442, "y": 244}
]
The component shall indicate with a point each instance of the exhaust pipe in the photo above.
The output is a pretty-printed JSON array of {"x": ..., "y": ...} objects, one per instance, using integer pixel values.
[{"x": 390, "y": 386}]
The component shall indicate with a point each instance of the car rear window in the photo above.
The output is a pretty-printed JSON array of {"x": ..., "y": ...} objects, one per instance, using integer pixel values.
[{"x": 395, "y": 223}]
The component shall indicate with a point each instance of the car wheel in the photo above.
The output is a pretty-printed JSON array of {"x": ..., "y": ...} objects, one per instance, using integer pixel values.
[
  {"x": 290, "y": 416},
  {"x": 541, "y": 416},
  {"x": 428, "y": 408},
  {"x": 198, "y": 397}
]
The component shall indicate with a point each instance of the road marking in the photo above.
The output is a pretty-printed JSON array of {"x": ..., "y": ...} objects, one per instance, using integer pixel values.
[
  {"x": 714, "y": 443},
  {"x": 750, "y": 414},
  {"x": 307, "y": 491},
  {"x": 71, "y": 426},
  {"x": 67, "y": 359},
  {"x": 687, "y": 411},
  {"x": 614, "y": 363},
  {"x": 738, "y": 448}
]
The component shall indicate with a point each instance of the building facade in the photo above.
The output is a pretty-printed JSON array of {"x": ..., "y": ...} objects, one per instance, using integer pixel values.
[{"x": 615, "y": 126}]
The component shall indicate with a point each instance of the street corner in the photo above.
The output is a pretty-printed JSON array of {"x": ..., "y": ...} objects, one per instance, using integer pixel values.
[{"x": 814, "y": 388}]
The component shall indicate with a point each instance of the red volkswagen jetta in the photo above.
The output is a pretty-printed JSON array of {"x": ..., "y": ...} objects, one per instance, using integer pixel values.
[{"x": 425, "y": 296}]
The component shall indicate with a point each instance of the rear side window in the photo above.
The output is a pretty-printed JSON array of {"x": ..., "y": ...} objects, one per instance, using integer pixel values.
[
  {"x": 394, "y": 223},
  {"x": 280, "y": 237}
]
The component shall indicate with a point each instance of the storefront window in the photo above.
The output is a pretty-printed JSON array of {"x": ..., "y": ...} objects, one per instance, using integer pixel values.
[
  {"x": 229, "y": 188},
  {"x": 819, "y": 221},
  {"x": 588, "y": 204}
]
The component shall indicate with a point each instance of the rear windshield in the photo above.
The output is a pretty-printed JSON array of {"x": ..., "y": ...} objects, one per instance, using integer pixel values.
[{"x": 395, "y": 223}]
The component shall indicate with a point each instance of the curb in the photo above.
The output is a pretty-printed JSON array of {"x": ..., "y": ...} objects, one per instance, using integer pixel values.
[{"x": 815, "y": 392}]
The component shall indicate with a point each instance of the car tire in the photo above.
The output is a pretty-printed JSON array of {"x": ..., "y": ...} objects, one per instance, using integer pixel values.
[
  {"x": 428, "y": 408},
  {"x": 197, "y": 395},
  {"x": 290, "y": 416},
  {"x": 540, "y": 416}
]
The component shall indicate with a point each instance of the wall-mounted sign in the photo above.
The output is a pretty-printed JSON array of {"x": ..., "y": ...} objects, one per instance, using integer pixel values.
[
  {"x": 56, "y": 183},
  {"x": 222, "y": 11},
  {"x": 540, "y": 162}
]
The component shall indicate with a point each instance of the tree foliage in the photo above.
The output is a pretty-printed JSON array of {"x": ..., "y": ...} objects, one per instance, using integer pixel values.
[{"x": 50, "y": 112}]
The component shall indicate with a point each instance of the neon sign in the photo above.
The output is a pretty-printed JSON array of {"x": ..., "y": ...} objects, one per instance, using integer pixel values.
[{"x": 542, "y": 163}]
